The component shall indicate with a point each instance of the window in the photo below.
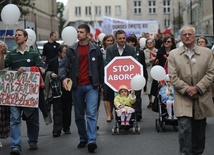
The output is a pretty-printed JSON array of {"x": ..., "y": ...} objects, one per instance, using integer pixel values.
[
  {"x": 78, "y": 11},
  {"x": 166, "y": 6},
  {"x": 137, "y": 7},
  {"x": 97, "y": 10},
  {"x": 108, "y": 10},
  {"x": 117, "y": 10},
  {"x": 87, "y": 10},
  {"x": 167, "y": 23},
  {"x": 152, "y": 6}
]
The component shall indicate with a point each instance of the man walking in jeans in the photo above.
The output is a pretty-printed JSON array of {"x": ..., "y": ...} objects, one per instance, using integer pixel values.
[
  {"x": 23, "y": 56},
  {"x": 83, "y": 64}
]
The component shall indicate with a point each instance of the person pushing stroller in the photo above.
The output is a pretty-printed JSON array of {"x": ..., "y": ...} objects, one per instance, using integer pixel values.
[{"x": 123, "y": 103}]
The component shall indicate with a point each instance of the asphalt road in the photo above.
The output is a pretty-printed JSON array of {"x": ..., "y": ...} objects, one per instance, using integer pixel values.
[{"x": 148, "y": 142}]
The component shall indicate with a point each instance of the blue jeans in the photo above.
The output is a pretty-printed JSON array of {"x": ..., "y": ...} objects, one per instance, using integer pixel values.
[
  {"x": 85, "y": 103},
  {"x": 15, "y": 127}
]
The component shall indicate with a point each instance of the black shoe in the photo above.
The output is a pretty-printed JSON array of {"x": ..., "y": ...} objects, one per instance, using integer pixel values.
[
  {"x": 150, "y": 105},
  {"x": 98, "y": 127},
  {"x": 33, "y": 146},
  {"x": 15, "y": 151},
  {"x": 82, "y": 144},
  {"x": 92, "y": 147},
  {"x": 139, "y": 117},
  {"x": 56, "y": 134}
]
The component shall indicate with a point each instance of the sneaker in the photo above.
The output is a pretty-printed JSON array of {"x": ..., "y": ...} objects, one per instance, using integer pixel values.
[
  {"x": 122, "y": 123},
  {"x": 127, "y": 123},
  {"x": 15, "y": 151},
  {"x": 170, "y": 117},
  {"x": 33, "y": 146},
  {"x": 82, "y": 144},
  {"x": 92, "y": 147},
  {"x": 67, "y": 132}
]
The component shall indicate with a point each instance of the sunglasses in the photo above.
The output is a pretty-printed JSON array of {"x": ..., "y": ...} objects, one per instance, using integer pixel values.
[{"x": 167, "y": 41}]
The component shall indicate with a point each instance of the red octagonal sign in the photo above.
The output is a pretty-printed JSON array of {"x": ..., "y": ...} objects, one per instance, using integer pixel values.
[{"x": 121, "y": 70}]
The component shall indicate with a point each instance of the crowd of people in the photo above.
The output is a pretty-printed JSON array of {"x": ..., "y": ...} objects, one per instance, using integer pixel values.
[{"x": 190, "y": 69}]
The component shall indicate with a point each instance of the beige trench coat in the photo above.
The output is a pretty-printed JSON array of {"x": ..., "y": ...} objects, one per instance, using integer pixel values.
[{"x": 197, "y": 71}]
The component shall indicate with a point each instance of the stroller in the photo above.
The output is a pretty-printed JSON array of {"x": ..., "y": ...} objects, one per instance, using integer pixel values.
[
  {"x": 133, "y": 124},
  {"x": 160, "y": 107}
]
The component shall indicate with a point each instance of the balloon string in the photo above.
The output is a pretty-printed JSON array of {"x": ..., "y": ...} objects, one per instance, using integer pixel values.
[{"x": 5, "y": 32}]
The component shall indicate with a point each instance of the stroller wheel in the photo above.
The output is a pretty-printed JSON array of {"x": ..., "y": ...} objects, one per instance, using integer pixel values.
[
  {"x": 113, "y": 131},
  {"x": 118, "y": 131},
  {"x": 138, "y": 130},
  {"x": 133, "y": 130},
  {"x": 157, "y": 125},
  {"x": 164, "y": 127}
]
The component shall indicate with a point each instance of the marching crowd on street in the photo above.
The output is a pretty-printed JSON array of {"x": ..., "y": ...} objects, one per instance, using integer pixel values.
[{"x": 80, "y": 67}]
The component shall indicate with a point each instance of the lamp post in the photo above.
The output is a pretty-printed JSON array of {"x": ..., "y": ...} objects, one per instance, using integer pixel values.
[{"x": 190, "y": 11}]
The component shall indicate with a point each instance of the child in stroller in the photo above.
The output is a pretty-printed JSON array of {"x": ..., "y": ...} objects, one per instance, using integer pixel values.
[
  {"x": 167, "y": 96},
  {"x": 165, "y": 105},
  {"x": 123, "y": 102}
]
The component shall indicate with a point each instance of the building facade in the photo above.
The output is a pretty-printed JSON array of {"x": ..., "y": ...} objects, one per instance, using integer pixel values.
[
  {"x": 44, "y": 15},
  {"x": 199, "y": 13},
  {"x": 169, "y": 13},
  {"x": 88, "y": 11}
]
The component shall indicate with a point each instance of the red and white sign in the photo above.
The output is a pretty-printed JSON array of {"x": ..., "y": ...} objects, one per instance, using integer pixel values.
[
  {"x": 20, "y": 90},
  {"x": 121, "y": 70}
]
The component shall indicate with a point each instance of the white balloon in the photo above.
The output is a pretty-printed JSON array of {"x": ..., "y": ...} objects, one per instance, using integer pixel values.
[
  {"x": 31, "y": 37},
  {"x": 10, "y": 14},
  {"x": 138, "y": 82},
  {"x": 101, "y": 36},
  {"x": 142, "y": 42},
  {"x": 69, "y": 35},
  {"x": 158, "y": 73}
]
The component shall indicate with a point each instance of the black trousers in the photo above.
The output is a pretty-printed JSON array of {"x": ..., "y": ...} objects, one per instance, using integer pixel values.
[
  {"x": 138, "y": 104},
  {"x": 191, "y": 133},
  {"x": 66, "y": 113},
  {"x": 57, "y": 114}
]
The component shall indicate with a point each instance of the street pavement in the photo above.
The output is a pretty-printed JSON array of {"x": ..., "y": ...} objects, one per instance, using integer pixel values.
[{"x": 148, "y": 142}]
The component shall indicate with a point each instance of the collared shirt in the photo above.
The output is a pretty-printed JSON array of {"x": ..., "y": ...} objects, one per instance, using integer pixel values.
[
  {"x": 189, "y": 52},
  {"x": 59, "y": 60},
  {"x": 120, "y": 50},
  {"x": 22, "y": 52}
]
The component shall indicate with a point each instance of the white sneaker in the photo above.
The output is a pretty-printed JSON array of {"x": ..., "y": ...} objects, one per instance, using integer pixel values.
[
  {"x": 169, "y": 117},
  {"x": 174, "y": 117}
]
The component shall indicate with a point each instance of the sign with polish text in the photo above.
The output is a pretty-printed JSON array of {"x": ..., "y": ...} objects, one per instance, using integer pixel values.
[{"x": 20, "y": 90}]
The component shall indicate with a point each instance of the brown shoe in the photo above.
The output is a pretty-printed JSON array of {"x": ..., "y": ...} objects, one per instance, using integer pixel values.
[{"x": 150, "y": 105}]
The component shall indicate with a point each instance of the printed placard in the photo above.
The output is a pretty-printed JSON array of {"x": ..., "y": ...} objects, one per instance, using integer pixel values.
[{"x": 19, "y": 89}]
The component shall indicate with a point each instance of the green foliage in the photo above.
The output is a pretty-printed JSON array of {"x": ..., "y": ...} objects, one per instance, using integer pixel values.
[
  {"x": 60, "y": 9},
  {"x": 23, "y": 5}
]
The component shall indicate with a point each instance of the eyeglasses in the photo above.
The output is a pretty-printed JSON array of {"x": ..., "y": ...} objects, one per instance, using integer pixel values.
[{"x": 168, "y": 41}]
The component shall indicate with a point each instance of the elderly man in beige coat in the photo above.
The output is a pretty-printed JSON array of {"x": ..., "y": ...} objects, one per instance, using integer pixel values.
[{"x": 191, "y": 70}]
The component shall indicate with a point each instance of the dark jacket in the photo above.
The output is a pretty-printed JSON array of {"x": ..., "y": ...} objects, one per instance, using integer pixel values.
[
  {"x": 69, "y": 66},
  {"x": 112, "y": 51}
]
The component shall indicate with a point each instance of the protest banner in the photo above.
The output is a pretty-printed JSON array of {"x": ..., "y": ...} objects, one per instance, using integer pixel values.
[
  {"x": 19, "y": 89},
  {"x": 111, "y": 25}
]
